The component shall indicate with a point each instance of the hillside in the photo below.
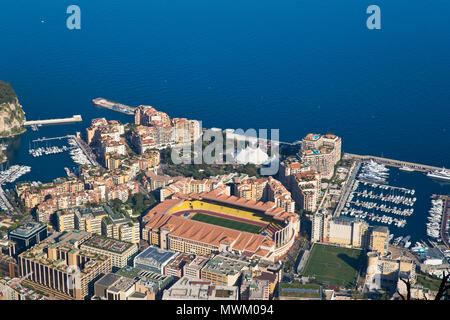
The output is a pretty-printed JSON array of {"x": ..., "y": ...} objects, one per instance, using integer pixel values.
[{"x": 12, "y": 116}]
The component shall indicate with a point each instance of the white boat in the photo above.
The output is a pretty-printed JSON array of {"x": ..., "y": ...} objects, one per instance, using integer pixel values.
[
  {"x": 405, "y": 168},
  {"x": 440, "y": 174}
]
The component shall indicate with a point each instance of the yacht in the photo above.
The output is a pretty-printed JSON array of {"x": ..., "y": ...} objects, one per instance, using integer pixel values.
[
  {"x": 404, "y": 168},
  {"x": 439, "y": 174}
]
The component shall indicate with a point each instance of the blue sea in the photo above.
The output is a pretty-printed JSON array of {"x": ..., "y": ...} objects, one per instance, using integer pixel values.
[{"x": 296, "y": 65}]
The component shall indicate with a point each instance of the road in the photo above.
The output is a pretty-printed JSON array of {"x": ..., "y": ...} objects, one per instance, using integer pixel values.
[
  {"x": 5, "y": 200},
  {"x": 87, "y": 151},
  {"x": 347, "y": 188}
]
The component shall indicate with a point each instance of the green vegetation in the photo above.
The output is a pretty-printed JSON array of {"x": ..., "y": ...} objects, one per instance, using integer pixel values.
[
  {"x": 3, "y": 157},
  {"x": 287, "y": 150},
  {"x": 13, "y": 132},
  {"x": 204, "y": 171},
  {"x": 296, "y": 289},
  {"x": 140, "y": 203},
  {"x": 236, "y": 225},
  {"x": 223, "y": 293},
  {"x": 334, "y": 265},
  {"x": 292, "y": 256},
  {"x": 7, "y": 93},
  {"x": 16, "y": 202},
  {"x": 428, "y": 282}
]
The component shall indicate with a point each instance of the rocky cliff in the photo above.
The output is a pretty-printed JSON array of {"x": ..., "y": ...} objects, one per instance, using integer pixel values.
[{"x": 12, "y": 116}]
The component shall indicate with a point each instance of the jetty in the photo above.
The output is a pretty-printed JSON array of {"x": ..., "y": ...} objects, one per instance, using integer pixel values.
[
  {"x": 75, "y": 118},
  {"x": 445, "y": 224},
  {"x": 393, "y": 163},
  {"x": 114, "y": 106},
  {"x": 54, "y": 138}
]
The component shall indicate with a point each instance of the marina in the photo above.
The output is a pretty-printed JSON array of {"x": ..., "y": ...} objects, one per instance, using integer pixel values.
[
  {"x": 47, "y": 150},
  {"x": 438, "y": 225},
  {"x": 13, "y": 173},
  {"x": 373, "y": 200},
  {"x": 76, "y": 152},
  {"x": 404, "y": 216},
  {"x": 445, "y": 225},
  {"x": 435, "y": 218},
  {"x": 372, "y": 171},
  {"x": 10, "y": 175}
]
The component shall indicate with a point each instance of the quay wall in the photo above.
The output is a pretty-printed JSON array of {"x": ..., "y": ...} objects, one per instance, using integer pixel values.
[
  {"x": 75, "y": 118},
  {"x": 394, "y": 163}
]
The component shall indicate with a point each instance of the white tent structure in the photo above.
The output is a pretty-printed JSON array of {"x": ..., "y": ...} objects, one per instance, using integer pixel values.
[{"x": 252, "y": 155}]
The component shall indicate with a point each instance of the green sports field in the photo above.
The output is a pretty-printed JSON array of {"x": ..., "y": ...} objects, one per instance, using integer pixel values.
[
  {"x": 334, "y": 265},
  {"x": 236, "y": 225}
]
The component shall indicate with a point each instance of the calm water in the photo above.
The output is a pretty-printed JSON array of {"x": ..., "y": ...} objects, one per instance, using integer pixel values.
[{"x": 298, "y": 65}]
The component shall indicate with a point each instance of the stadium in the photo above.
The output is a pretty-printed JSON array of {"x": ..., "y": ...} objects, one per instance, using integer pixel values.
[{"x": 203, "y": 223}]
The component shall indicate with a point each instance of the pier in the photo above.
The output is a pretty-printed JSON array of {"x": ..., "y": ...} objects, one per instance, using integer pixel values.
[
  {"x": 54, "y": 138},
  {"x": 394, "y": 163},
  {"x": 445, "y": 229},
  {"x": 86, "y": 150},
  {"x": 114, "y": 106},
  {"x": 75, "y": 118},
  {"x": 347, "y": 188},
  {"x": 80, "y": 143}
]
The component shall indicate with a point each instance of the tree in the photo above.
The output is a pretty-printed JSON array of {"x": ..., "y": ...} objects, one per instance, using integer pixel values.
[
  {"x": 7, "y": 93},
  {"x": 444, "y": 287},
  {"x": 442, "y": 292}
]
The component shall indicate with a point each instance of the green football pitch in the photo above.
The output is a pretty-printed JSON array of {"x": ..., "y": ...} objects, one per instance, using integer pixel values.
[
  {"x": 334, "y": 265},
  {"x": 232, "y": 224}
]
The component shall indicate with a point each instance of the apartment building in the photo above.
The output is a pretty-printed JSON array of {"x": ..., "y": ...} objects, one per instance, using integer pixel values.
[
  {"x": 264, "y": 189},
  {"x": 90, "y": 219},
  {"x": 193, "y": 269},
  {"x": 120, "y": 252},
  {"x": 385, "y": 273},
  {"x": 65, "y": 220},
  {"x": 27, "y": 235},
  {"x": 62, "y": 270},
  {"x": 305, "y": 189},
  {"x": 176, "y": 266},
  {"x": 379, "y": 239},
  {"x": 224, "y": 269},
  {"x": 186, "y": 131},
  {"x": 254, "y": 289},
  {"x": 196, "y": 289},
  {"x": 120, "y": 227},
  {"x": 321, "y": 151},
  {"x": 342, "y": 231}
]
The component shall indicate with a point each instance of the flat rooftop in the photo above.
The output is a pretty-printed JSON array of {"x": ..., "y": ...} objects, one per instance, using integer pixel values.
[
  {"x": 27, "y": 229},
  {"x": 147, "y": 278},
  {"x": 108, "y": 280},
  {"x": 72, "y": 237},
  {"x": 111, "y": 245},
  {"x": 228, "y": 265},
  {"x": 196, "y": 289},
  {"x": 154, "y": 257},
  {"x": 123, "y": 284}
]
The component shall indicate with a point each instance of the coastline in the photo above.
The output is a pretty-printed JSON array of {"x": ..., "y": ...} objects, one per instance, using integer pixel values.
[{"x": 12, "y": 135}]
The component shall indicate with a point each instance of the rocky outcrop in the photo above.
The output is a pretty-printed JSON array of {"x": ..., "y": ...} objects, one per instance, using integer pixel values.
[{"x": 12, "y": 115}]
